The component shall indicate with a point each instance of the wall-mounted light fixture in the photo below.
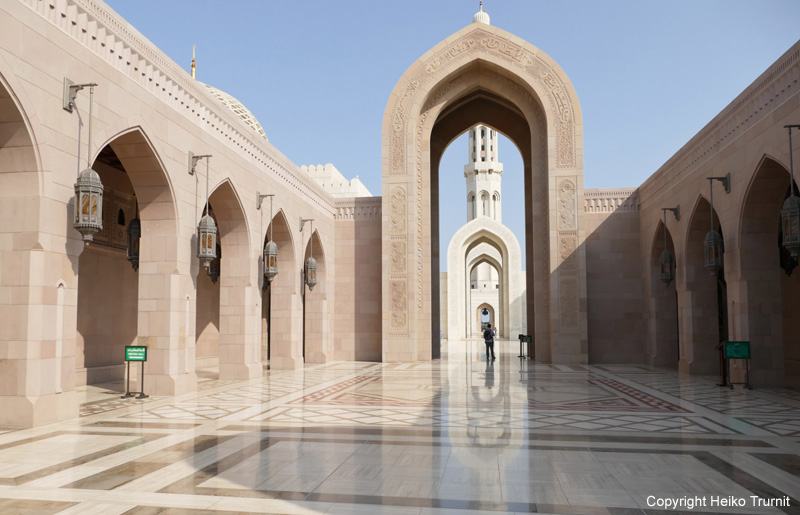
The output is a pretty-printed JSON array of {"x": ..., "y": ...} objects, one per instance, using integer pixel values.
[
  {"x": 88, "y": 188},
  {"x": 667, "y": 260},
  {"x": 713, "y": 244}
]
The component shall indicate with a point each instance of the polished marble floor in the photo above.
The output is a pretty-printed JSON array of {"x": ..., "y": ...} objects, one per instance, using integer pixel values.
[{"x": 458, "y": 435}]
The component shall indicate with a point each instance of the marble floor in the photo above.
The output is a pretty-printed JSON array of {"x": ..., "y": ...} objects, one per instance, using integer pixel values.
[{"x": 458, "y": 435}]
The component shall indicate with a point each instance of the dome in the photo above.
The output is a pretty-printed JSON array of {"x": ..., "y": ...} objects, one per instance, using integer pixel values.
[
  {"x": 238, "y": 108},
  {"x": 481, "y": 16}
]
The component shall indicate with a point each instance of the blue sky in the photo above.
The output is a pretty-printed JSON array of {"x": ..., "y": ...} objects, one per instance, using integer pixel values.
[{"x": 318, "y": 75}]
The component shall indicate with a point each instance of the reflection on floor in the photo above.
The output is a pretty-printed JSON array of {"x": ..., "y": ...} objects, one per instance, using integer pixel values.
[{"x": 451, "y": 436}]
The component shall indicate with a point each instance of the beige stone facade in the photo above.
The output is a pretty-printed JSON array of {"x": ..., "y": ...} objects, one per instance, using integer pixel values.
[{"x": 592, "y": 286}]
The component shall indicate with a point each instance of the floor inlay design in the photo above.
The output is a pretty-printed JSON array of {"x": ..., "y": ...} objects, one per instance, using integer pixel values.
[{"x": 452, "y": 436}]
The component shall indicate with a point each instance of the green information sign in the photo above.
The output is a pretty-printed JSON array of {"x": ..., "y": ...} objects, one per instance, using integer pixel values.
[
  {"x": 737, "y": 350},
  {"x": 135, "y": 353}
]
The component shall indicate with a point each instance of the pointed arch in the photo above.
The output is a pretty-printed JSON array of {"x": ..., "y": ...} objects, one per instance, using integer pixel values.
[
  {"x": 282, "y": 299},
  {"x": 770, "y": 293},
  {"x": 239, "y": 347},
  {"x": 146, "y": 170},
  {"x": 317, "y": 332},
  {"x": 702, "y": 314},
  {"x": 483, "y": 74},
  {"x": 664, "y": 350}
]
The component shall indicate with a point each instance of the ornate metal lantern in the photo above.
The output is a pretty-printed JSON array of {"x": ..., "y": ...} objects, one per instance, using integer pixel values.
[
  {"x": 270, "y": 249},
  {"x": 134, "y": 235},
  {"x": 790, "y": 214},
  {"x": 207, "y": 240},
  {"x": 667, "y": 267},
  {"x": 310, "y": 270},
  {"x": 713, "y": 245},
  {"x": 88, "y": 204},
  {"x": 667, "y": 261},
  {"x": 714, "y": 248},
  {"x": 270, "y": 261},
  {"x": 311, "y": 273},
  {"x": 215, "y": 266},
  {"x": 790, "y": 224},
  {"x": 88, "y": 188}
]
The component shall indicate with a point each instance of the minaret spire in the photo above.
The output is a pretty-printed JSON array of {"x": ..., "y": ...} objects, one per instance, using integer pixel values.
[{"x": 194, "y": 65}]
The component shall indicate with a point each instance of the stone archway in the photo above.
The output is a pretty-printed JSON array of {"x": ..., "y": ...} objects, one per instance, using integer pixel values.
[
  {"x": 698, "y": 297},
  {"x": 479, "y": 318},
  {"x": 239, "y": 351},
  {"x": 770, "y": 287},
  {"x": 484, "y": 75},
  {"x": 317, "y": 322},
  {"x": 158, "y": 310},
  {"x": 283, "y": 300},
  {"x": 664, "y": 348},
  {"x": 483, "y": 236}
]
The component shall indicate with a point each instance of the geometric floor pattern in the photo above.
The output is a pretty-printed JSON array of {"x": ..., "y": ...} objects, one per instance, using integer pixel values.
[{"x": 457, "y": 435}]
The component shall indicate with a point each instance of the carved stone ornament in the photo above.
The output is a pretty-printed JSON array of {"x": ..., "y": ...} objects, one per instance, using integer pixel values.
[
  {"x": 399, "y": 300},
  {"x": 569, "y": 304},
  {"x": 567, "y": 252},
  {"x": 397, "y": 211},
  {"x": 567, "y": 206},
  {"x": 397, "y": 258}
]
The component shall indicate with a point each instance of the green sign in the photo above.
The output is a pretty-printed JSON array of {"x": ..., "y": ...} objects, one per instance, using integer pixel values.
[
  {"x": 135, "y": 353},
  {"x": 737, "y": 350}
]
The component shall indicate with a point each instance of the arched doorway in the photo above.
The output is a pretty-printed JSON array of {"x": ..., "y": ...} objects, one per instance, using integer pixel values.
[
  {"x": 108, "y": 317},
  {"x": 484, "y": 276},
  {"x": 663, "y": 323},
  {"x": 484, "y": 75},
  {"x": 281, "y": 300},
  {"x": 483, "y": 240},
  {"x": 484, "y": 314},
  {"x": 702, "y": 298},
  {"x": 316, "y": 333},
  {"x": 238, "y": 345},
  {"x": 135, "y": 180},
  {"x": 769, "y": 281}
]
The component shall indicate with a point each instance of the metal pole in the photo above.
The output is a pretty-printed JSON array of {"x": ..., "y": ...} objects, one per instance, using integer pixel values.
[{"x": 89, "y": 141}]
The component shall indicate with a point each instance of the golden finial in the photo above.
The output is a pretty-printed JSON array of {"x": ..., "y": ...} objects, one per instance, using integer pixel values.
[
  {"x": 194, "y": 66},
  {"x": 480, "y": 4}
]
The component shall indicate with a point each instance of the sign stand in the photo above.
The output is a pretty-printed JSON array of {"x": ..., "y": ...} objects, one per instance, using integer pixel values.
[
  {"x": 135, "y": 353},
  {"x": 738, "y": 350}
]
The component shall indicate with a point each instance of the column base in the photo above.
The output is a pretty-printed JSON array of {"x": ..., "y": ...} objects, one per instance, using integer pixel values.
[
  {"x": 170, "y": 385},
  {"x": 228, "y": 371},
  {"x": 38, "y": 411},
  {"x": 284, "y": 363}
]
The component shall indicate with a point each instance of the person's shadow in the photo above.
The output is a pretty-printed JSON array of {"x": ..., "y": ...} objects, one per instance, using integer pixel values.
[{"x": 489, "y": 374}]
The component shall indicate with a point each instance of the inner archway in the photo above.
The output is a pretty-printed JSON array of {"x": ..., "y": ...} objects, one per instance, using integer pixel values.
[
  {"x": 702, "y": 298},
  {"x": 663, "y": 324},
  {"x": 475, "y": 77},
  {"x": 771, "y": 284}
]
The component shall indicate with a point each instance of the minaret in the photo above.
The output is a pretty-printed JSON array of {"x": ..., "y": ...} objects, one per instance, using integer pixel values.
[{"x": 483, "y": 173}]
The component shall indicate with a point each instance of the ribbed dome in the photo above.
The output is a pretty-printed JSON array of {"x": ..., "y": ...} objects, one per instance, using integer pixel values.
[
  {"x": 481, "y": 16},
  {"x": 238, "y": 108}
]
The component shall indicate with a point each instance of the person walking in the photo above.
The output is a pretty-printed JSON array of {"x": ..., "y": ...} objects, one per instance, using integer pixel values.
[{"x": 488, "y": 337}]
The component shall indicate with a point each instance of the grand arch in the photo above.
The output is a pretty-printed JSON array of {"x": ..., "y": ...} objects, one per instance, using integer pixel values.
[{"x": 484, "y": 75}]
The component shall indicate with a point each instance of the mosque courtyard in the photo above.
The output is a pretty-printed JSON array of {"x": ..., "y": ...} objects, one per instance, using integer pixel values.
[{"x": 455, "y": 435}]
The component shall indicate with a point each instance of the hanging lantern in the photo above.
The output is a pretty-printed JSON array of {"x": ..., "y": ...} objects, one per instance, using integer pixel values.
[
  {"x": 88, "y": 204},
  {"x": 134, "y": 235},
  {"x": 667, "y": 267},
  {"x": 311, "y": 273},
  {"x": 207, "y": 240},
  {"x": 215, "y": 266},
  {"x": 270, "y": 261},
  {"x": 790, "y": 225},
  {"x": 713, "y": 246}
]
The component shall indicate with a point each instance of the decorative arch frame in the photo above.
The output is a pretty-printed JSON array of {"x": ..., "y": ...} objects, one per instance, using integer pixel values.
[
  {"x": 463, "y": 241},
  {"x": 498, "y": 69}
]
